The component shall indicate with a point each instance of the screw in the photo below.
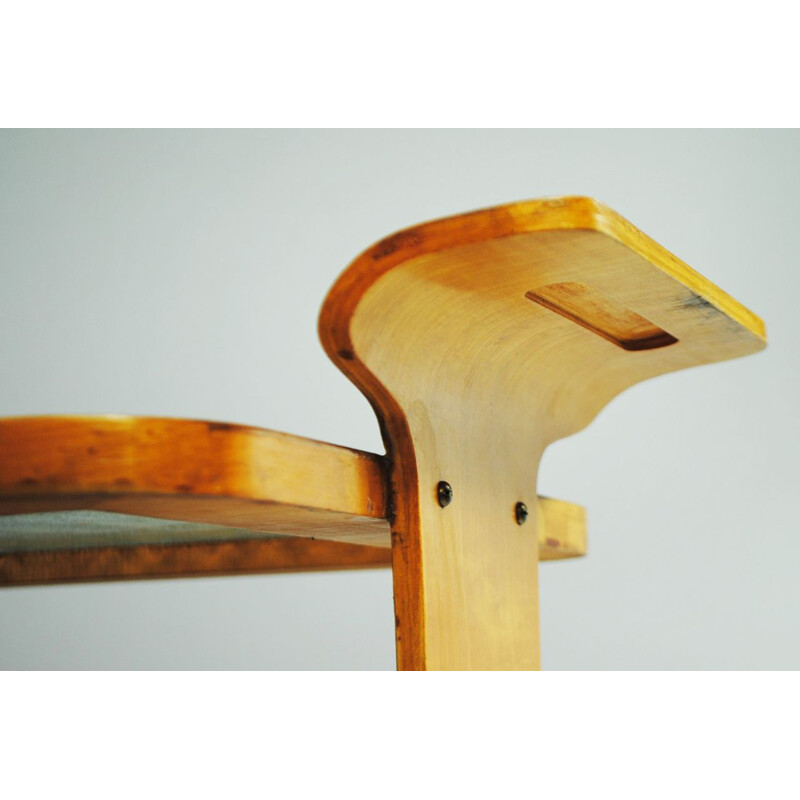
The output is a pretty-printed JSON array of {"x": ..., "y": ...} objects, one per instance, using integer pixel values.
[
  {"x": 444, "y": 492},
  {"x": 521, "y": 513}
]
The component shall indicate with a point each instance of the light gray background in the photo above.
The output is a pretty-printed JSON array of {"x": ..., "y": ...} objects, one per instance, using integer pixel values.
[{"x": 180, "y": 274}]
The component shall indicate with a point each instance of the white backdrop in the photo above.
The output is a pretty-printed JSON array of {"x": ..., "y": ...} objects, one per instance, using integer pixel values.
[{"x": 180, "y": 274}]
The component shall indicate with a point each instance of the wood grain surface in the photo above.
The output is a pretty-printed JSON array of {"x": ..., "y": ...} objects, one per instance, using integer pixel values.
[
  {"x": 244, "y": 480},
  {"x": 478, "y": 340},
  {"x": 471, "y": 381}
]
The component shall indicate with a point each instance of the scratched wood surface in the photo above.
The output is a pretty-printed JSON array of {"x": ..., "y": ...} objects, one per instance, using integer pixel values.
[{"x": 479, "y": 340}]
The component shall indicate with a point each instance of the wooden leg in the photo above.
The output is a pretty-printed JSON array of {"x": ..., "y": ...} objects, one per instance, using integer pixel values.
[{"x": 466, "y": 571}]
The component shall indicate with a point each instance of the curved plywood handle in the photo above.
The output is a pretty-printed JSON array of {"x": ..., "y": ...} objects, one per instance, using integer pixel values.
[{"x": 479, "y": 340}]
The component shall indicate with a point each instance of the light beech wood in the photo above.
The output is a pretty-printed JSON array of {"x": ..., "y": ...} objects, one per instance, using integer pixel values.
[
  {"x": 473, "y": 344},
  {"x": 479, "y": 340},
  {"x": 194, "y": 471},
  {"x": 239, "y": 478}
]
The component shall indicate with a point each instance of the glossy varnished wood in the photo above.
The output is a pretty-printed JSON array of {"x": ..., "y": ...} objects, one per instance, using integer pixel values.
[{"x": 479, "y": 340}]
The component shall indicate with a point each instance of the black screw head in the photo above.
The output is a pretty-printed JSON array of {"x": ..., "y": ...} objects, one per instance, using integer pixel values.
[
  {"x": 444, "y": 492},
  {"x": 521, "y": 513}
]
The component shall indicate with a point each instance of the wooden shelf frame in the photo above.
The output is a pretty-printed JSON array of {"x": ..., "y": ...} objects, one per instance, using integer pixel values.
[
  {"x": 318, "y": 506},
  {"x": 478, "y": 340}
]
